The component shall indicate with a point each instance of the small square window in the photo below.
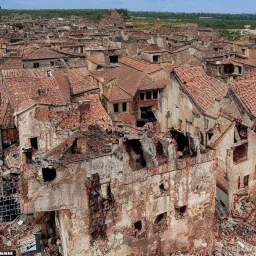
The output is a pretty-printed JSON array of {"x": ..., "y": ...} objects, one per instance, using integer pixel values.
[
  {"x": 124, "y": 107},
  {"x": 155, "y": 95},
  {"x": 36, "y": 65},
  {"x": 116, "y": 108},
  {"x": 138, "y": 225},
  {"x": 155, "y": 58},
  {"x": 113, "y": 59},
  {"x": 142, "y": 96},
  {"x": 148, "y": 95}
]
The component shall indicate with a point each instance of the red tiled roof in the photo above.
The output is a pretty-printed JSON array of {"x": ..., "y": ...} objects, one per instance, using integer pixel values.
[
  {"x": 77, "y": 81},
  {"x": 148, "y": 84},
  {"x": 106, "y": 74},
  {"x": 75, "y": 54},
  {"x": 4, "y": 104},
  {"x": 241, "y": 42},
  {"x": 44, "y": 53},
  {"x": 245, "y": 88},
  {"x": 249, "y": 62},
  {"x": 129, "y": 79},
  {"x": 26, "y": 87},
  {"x": 153, "y": 49},
  {"x": 116, "y": 93},
  {"x": 96, "y": 60},
  {"x": 11, "y": 63},
  {"x": 202, "y": 88},
  {"x": 140, "y": 65},
  {"x": 89, "y": 112}
]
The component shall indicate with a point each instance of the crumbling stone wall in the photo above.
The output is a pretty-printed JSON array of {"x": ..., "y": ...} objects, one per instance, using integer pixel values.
[{"x": 116, "y": 210}]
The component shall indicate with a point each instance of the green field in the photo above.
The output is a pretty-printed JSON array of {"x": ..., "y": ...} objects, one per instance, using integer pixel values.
[{"x": 214, "y": 20}]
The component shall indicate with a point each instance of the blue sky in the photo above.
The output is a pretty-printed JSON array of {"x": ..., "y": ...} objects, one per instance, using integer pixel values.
[{"x": 220, "y": 6}]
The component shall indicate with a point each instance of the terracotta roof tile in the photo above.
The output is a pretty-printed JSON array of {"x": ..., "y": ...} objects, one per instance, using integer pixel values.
[
  {"x": 11, "y": 63},
  {"x": 148, "y": 84},
  {"x": 26, "y": 87},
  {"x": 78, "y": 82},
  {"x": 44, "y": 53},
  {"x": 116, "y": 93},
  {"x": 245, "y": 88},
  {"x": 153, "y": 49},
  {"x": 140, "y": 65},
  {"x": 202, "y": 88}
]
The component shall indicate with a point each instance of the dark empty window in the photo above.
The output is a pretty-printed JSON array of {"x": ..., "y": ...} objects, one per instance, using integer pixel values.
[
  {"x": 162, "y": 188},
  {"x": 155, "y": 94},
  {"x": 239, "y": 183},
  {"x": 116, "y": 108},
  {"x": 36, "y": 65},
  {"x": 34, "y": 143},
  {"x": 210, "y": 134},
  {"x": 243, "y": 51},
  {"x": 27, "y": 156},
  {"x": 160, "y": 218},
  {"x": 124, "y": 107},
  {"x": 155, "y": 58},
  {"x": 49, "y": 174},
  {"x": 74, "y": 148},
  {"x": 229, "y": 69},
  {"x": 181, "y": 210},
  {"x": 160, "y": 149},
  {"x": 246, "y": 180},
  {"x": 113, "y": 59},
  {"x": 240, "y": 153},
  {"x": 138, "y": 225},
  {"x": 148, "y": 95},
  {"x": 135, "y": 151},
  {"x": 52, "y": 63},
  {"x": 142, "y": 96},
  {"x": 239, "y": 70}
]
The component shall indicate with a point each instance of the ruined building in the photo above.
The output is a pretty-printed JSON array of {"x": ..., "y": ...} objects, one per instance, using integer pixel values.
[{"x": 120, "y": 141}]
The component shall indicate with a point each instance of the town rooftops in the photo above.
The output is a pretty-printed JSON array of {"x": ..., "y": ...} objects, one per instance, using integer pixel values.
[
  {"x": 140, "y": 65},
  {"x": 11, "y": 63},
  {"x": 153, "y": 49},
  {"x": 27, "y": 87},
  {"x": 245, "y": 89},
  {"x": 204, "y": 90},
  {"x": 44, "y": 53}
]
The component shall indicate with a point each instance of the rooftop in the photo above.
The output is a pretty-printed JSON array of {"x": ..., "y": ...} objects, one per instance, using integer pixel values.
[{"x": 203, "y": 89}]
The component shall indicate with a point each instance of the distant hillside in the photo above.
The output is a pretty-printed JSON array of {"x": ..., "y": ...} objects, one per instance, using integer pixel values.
[
  {"x": 53, "y": 13},
  {"x": 212, "y": 20}
]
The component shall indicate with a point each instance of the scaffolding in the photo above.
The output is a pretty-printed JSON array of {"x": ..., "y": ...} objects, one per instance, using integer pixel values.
[{"x": 9, "y": 203}]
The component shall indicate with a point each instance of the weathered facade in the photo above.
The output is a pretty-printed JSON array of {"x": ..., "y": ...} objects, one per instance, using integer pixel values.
[{"x": 121, "y": 141}]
